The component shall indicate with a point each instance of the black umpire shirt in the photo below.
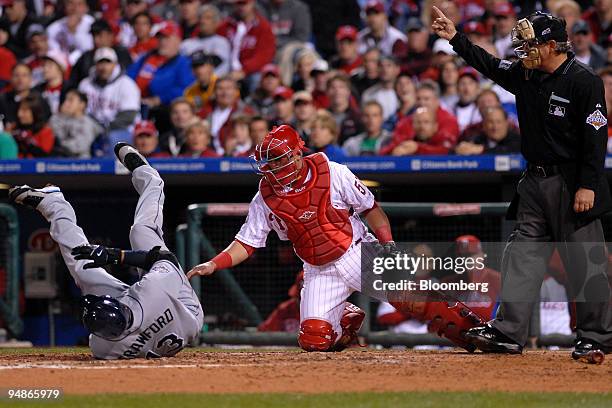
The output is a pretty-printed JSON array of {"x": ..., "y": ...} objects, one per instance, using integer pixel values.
[{"x": 562, "y": 115}]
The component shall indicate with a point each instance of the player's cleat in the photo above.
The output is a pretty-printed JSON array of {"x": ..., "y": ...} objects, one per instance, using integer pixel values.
[
  {"x": 491, "y": 340},
  {"x": 589, "y": 351},
  {"x": 30, "y": 197},
  {"x": 129, "y": 156}
]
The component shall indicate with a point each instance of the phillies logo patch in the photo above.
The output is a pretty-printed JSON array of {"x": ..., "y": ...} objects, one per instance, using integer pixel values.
[
  {"x": 597, "y": 119},
  {"x": 306, "y": 215}
]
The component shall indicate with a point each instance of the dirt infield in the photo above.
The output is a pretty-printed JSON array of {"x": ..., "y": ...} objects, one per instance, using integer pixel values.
[{"x": 292, "y": 371}]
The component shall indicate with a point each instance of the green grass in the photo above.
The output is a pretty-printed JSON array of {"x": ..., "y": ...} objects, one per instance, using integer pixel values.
[{"x": 382, "y": 400}]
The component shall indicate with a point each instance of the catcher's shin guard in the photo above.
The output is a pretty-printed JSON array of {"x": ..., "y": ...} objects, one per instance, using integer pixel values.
[
  {"x": 316, "y": 335},
  {"x": 450, "y": 319},
  {"x": 351, "y": 321}
]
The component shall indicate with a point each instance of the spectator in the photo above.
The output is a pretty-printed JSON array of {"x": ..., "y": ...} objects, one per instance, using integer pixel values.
[
  {"x": 384, "y": 91},
  {"x": 39, "y": 47},
  {"x": 70, "y": 34},
  {"x": 252, "y": 41},
  {"x": 606, "y": 76},
  {"x": 373, "y": 138},
  {"x": 6, "y": 56},
  {"x": 286, "y": 316},
  {"x": 283, "y": 107},
  {"x": 146, "y": 140},
  {"x": 303, "y": 78},
  {"x": 505, "y": 20},
  {"x": 599, "y": 17},
  {"x": 367, "y": 75},
  {"x": 348, "y": 118},
  {"x": 239, "y": 144},
  {"x": 442, "y": 53},
  {"x": 568, "y": 10},
  {"x": 113, "y": 97},
  {"x": 201, "y": 91},
  {"x": 428, "y": 96},
  {"x": 197, "y": 141},
  {"x": 225, "y": 104},
  {"x": 53, "y": 88},
  {"x": 144, "y": 42},
  {"x": 182, "y": 114},
  {"x": 74, "y": 130},
  {"x": 289, "y": 19},
  {"x": 398, "y": 322},
  {"x": 486, "y": 99},
  {"x": 379, "y": 33},
  {"x": 21, "y": 85},
  {"x": 262, "y": 99},
  {"x": 208, "y": 41},
  {"x": 586, "y": 52},
  {"x": 406, "y": 95},
  {"x": 127, "y": 35},
  {"x": 327, "y": 16},
  {"x": 468, "y": 88},
  {"x": 418, "y": 57},
  {"x": 258, "y": 129},
  {"x": 19, "y": 23},
  {"x": 425, "y": 128},
  {"x": 320, "y": 74},
  {"x": 449, "y": 77},
  {"x": 32, "y": 133},
  {"x": 480, "y": 36},
  {"x": 324, "y": 136},
  {"x": 188, "y": 17},
  {"x": 103, "y": 37},
  {"x": 347, "y": 58},
  {"x": 304, "y": 114},
  {"x": 163, "y": 75},
  {"x": 8, "y": 146},
  {"x": 497, "y": 137}
]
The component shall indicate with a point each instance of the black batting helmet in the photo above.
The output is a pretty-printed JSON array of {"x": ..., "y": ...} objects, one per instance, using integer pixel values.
[{"x": 105, "y": 316}]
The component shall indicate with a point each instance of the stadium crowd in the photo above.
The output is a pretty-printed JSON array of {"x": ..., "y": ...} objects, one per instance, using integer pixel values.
[{"x": 198, "y": 78}]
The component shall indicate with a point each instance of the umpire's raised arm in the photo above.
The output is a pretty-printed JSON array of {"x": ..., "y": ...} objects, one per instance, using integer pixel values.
[{"x": 500, "y": 71}]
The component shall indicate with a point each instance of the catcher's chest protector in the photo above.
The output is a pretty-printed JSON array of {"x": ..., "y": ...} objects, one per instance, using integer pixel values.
[{"x": 319, "y": 232}]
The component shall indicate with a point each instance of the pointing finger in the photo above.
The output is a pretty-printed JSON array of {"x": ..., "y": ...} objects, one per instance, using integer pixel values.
[{"x": 439, "y": 12}]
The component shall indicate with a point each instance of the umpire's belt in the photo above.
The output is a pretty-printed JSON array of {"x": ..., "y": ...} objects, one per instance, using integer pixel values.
[{"x": 543, "y": 171}]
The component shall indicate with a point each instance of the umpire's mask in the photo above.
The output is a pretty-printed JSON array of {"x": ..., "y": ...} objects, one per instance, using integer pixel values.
[
  {"x": 105, "y": 316},
  {"x": 537, "y": 29}
]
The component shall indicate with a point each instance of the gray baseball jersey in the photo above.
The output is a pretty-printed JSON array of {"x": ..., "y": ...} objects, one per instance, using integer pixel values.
[{"x": 167, "y": 314}]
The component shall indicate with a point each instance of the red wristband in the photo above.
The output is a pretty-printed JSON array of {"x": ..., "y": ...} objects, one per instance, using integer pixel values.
[
  {"x": 383, "y": 234},
  {"x": 223, "y": 261}
]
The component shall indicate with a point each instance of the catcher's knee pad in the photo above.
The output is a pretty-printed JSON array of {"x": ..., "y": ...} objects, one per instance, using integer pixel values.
[{"x": 316, "y": 335}]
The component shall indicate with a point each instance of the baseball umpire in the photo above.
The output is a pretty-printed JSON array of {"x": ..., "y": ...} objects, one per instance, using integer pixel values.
[
  {"x": 157, "y": 316},
  {"x": 563, "y": 193}
]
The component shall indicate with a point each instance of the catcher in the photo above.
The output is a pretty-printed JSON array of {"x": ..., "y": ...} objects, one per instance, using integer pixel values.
[{"x": 316, "y": 204}]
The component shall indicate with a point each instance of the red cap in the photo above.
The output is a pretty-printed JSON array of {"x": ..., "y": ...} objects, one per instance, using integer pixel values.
[
  {"x": 474, "y": 27},
  {"x": 6, "y": 3},
  {"x": 145, "y": 127},
  {"x": 168, "y": 28},
  {"x": 282, "y": 92},
  {"x": 270, "y": 69},
  {"x": 346, "y": 32},
  {"x": 469, "y": 71},
  {"x": 375, "y": 5},
  {"x": 503, "y": 9},
  {"x": 468, "y": 245}
]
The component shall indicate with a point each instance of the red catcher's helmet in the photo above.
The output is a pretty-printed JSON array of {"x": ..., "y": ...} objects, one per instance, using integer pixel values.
[
  {"x": 468, "y": 245},
  {"x": 275, "y": 158}
]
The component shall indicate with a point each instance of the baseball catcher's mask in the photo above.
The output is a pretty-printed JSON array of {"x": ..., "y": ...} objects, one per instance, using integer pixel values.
[
  {"x": 537, "y": 29},
  {"x": 105, "y": 316},
  {"x": 276, "y": 158}
]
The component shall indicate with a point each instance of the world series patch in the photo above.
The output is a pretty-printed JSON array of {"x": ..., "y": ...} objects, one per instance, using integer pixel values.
[{"x": 597, "y": 119}]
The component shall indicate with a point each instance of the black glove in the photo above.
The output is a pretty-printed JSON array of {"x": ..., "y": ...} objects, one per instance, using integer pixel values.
[
  {"x": 390, "y": 249},
  {"x": 100, "y": 255}
]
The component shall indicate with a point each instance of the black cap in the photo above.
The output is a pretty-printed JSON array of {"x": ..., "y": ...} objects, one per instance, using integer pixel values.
[
  {"x": 414, "y": 24},
  {"x": 581, "y": 26},
  {"x": 99, "y": 26},
  {"x": 548, "y": 27},
  {"x": 200, "y": 58},
  {"x": 35, "y": 29}
]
